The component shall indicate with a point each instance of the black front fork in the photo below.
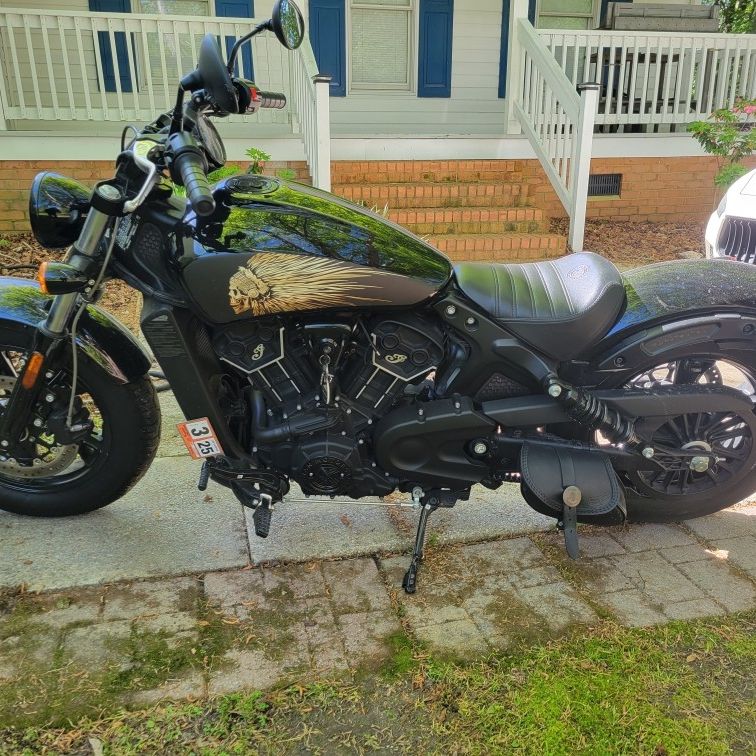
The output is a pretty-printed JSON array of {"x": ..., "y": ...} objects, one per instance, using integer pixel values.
[{"x": 50, "y": 337}]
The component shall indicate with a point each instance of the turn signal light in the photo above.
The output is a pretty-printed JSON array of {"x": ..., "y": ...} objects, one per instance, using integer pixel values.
[
  {"x": 60, "y": 278},
  {"x": 32, "y": 370}
]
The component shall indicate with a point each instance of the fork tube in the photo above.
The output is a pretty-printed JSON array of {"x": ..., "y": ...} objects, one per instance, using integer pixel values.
[{"x": 49, "y": 336}]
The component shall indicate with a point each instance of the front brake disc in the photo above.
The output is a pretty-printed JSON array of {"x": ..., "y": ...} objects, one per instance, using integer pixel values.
[{"x": 54, "y": 460}]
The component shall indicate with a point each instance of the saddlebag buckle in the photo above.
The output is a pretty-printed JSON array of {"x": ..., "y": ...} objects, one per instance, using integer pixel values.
[{"x": 572, "y": 486}]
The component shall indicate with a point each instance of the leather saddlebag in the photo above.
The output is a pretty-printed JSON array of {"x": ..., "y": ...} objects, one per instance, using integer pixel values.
[{"x": 547, "y": 472}]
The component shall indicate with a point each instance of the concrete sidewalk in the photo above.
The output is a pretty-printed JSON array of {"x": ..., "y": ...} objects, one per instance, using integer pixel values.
[{"x": 165, "y": 526}]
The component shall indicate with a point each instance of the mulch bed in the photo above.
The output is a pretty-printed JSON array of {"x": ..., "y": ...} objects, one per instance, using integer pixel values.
[
  {"x": 634, "y": 243},
  {"x": 23, "y": 249}
]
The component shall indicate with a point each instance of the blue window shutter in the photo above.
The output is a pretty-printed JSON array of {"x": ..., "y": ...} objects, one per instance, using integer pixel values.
[
  {"x": 328, "y": 39},
  {"x": 106, "y": 49},
  {"x": 504, "y": 49},
  {"x": 435, "y": 48},
  {"x": 238, "y": 9},
  {"x": 532, "y": 11}
]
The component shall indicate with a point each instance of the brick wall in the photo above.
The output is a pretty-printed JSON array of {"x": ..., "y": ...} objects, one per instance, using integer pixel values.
[{"x": 653, "y": 189}]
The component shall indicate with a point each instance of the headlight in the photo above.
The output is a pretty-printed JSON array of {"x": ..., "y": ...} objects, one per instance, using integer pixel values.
[
  {"x": 722, "y": 206},
  {"x": 57, "y": 208}
]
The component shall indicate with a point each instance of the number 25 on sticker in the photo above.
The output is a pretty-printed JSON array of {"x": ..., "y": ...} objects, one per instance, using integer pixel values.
[{"x": 200, "y": 439}]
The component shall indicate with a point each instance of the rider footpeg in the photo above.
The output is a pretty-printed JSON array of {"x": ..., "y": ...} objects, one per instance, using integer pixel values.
[
  {"x": 204, "y": 476},
  {"x": 262, "y": 516}
]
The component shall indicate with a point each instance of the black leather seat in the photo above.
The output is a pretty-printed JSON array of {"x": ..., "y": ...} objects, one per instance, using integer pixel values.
[{"x": 561, "y": 307}]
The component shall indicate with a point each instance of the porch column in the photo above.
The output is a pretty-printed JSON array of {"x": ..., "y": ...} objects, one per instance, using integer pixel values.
[{"x": 518, "y": 10}]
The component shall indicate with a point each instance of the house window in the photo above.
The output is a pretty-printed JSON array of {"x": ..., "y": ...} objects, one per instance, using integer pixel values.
[
  {"x": 174, "y": 7},
  {"x": 567, "y": 14},
  {"x": 381, "y": 50}
]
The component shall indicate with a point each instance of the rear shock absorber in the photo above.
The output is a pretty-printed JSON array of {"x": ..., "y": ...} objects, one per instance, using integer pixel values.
[{"x": 592, "y": 412}]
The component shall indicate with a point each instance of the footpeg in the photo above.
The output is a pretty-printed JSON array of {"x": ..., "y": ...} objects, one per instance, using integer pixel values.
[
  {"x": 204, "y": 476},
  {"x": 571, "y": 498},
  {"x": 263, "y": 515}
]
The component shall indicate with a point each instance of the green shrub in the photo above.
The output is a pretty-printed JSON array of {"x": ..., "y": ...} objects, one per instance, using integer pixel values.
[{"x": 730, "y": 134}]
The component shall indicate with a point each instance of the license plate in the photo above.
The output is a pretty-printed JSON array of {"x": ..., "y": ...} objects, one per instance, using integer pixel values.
[{"x": 200, "y": 439}]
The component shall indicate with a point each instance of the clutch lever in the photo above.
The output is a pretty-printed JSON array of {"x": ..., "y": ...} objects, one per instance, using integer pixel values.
[{"x": 150, "y": 169}]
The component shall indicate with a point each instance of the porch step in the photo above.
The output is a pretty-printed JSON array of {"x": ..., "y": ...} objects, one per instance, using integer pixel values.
[
  {"x": 434, "y": 194},
  {"x": 469, "y": 220},
  {"x": 414, "y": 171},
  {"x": 511, "y": 247}
]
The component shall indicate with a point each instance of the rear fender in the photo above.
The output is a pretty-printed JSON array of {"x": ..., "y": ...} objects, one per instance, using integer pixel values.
[
  {"x": 100, "y": 337},
  {"x": 675, "y": 310}
]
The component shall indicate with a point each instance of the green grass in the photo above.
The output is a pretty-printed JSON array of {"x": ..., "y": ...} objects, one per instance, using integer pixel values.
[{"x": 686, "y": 688}]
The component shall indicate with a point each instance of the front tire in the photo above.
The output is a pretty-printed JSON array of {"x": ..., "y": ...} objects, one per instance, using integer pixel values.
[{"x": 127, "y": 439}]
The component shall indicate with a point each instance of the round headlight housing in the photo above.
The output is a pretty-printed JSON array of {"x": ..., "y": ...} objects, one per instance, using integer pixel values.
[{"x": 57, "y": 209}]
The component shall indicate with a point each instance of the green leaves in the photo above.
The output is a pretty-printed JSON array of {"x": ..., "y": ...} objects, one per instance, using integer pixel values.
[{"x": 730, "y": 134}]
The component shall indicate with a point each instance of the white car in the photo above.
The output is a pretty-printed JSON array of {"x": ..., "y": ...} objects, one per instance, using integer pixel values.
[{"x": 731, "y": 230}]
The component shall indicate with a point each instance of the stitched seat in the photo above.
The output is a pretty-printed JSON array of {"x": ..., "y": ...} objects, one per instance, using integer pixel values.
[{"x": 561, "y": 307}]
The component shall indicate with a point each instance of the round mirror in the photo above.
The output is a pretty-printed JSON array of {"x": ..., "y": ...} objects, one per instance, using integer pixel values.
[{"x": 288, "y": 24}]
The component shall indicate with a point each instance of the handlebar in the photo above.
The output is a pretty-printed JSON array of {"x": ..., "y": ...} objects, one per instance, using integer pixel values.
[
  {"x": 251, "y": 99},
  {"x": 189, "y": 168},
  {"x": 275, "y": 100}
]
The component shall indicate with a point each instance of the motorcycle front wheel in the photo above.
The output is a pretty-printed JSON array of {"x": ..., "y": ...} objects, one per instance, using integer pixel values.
[
  {"x": 48, "y": 478},
  {"x": 686, "y": 493}
]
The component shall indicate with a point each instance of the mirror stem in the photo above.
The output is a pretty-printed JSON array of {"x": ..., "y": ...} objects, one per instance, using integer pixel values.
[
  {"x": 177, "y": 121},
  {"x": 239, "y": 42}
]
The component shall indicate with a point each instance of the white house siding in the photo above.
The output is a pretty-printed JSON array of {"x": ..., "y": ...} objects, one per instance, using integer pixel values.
[{"x": 474, "y": 107}]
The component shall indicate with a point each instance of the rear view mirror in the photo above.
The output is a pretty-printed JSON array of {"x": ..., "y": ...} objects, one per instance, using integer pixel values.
[{"x": 288, "y": 24}]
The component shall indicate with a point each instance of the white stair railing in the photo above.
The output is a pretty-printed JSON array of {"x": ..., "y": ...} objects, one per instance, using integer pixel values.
[
  {"x": 81, "y": 66},
  {"x": 556, "y": 118},
  {"x": 311, "y": 93}
]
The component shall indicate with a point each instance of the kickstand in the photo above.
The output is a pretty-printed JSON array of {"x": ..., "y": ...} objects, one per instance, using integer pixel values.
[{"x": 410, "y": 577}]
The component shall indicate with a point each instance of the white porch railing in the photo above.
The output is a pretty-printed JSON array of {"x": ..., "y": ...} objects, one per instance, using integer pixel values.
[
  {"x": 557, "y": 120},
  {"x": 76, "y": 66},
  {"x": 657, "y": 77}
]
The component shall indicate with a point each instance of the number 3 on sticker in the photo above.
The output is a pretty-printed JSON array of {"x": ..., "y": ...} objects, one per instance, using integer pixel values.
[{"x": 200, "y": 439}]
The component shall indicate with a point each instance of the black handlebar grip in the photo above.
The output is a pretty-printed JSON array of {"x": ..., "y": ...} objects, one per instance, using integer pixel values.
[
  {"x": 275, "y": 100},
  {"x": 191, "y": 167}
]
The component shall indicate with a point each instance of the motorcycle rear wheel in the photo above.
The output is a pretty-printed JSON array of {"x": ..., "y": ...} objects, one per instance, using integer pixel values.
[
  {"x": 69, "y": 480},
  {"x": 689, "y": 494}
]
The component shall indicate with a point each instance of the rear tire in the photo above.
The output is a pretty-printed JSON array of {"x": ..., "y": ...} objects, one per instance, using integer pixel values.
[
  {"x": 737, "y": 370},
  {"x": 130, "y": 436}
]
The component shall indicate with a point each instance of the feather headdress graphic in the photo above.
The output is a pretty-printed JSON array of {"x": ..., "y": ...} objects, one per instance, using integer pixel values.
[{"x": 273, "y": 282}]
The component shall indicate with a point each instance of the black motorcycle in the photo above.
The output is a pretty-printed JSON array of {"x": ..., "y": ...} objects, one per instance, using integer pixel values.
[{"x": 308, "y": 339}]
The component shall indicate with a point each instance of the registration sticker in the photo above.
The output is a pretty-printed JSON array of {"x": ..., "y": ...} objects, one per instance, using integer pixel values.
[{"x": 200, "y": 438}]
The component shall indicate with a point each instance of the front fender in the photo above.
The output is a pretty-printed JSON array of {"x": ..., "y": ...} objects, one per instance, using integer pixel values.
[{"x": 100, "y": 337}]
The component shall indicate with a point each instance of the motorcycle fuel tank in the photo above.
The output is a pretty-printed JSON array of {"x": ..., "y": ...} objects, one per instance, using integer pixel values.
[{"x": 276, "y": 247}]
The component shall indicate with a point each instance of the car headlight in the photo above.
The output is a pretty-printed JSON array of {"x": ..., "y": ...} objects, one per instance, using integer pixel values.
[{"x": 722, "y": 206}]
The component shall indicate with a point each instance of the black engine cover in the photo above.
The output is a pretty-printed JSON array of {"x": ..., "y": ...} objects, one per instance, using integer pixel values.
[
  {"x": 428, "y": 443},
  {"x": 329, "y": 464}
]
